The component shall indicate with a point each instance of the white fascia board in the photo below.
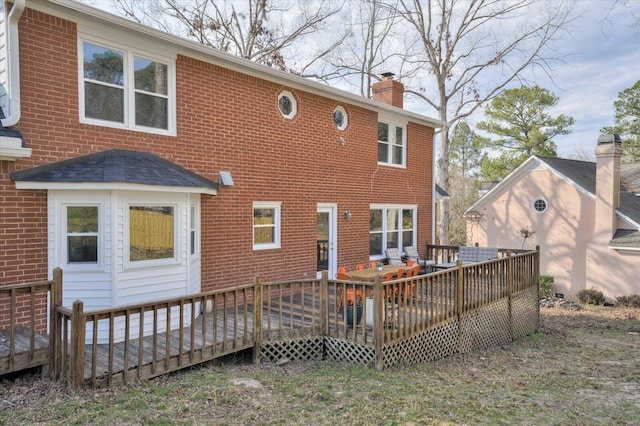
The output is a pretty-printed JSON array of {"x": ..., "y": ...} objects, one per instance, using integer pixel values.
[
  {"x": 108, "y": 186},
  {"x": 79, "y": 11},
  {"x": 633, "y": 249},
  {"x": 11, "y": 149}
]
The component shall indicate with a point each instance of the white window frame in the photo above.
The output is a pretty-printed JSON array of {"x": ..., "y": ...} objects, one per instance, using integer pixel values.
[
  {"x": 194, "y": 230},
  {"x": 294, "y": 104},
  {"x": 177, "y": 213},
  {"x": 64, "y": 254},
  {"x": 277, "y": 207},
  {"x": 546, "y": 205},
  {"x": 129, "y": 87},
  {"x": 392, "y": 136},
  {"x": 345, "y": 116},
  {"x": 385, "y": 208}
]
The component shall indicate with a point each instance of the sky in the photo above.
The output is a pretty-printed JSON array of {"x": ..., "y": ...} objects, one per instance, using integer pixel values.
[
  {"x": 601, "y": 57},
  {"x": 603, "y": 60}
]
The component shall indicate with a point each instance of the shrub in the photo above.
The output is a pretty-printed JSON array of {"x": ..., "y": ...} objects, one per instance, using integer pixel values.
[
  {"x": 632, "y": 301},
  {"x": 591, "y": 296},
  {"x": 546, "y": 286}
]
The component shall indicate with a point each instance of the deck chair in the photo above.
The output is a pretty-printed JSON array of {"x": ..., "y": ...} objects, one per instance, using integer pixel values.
[
  {"x": 412, "y": 254},
  {"x": 357, "y": 297},
  {"x": 393, "y": 256}
]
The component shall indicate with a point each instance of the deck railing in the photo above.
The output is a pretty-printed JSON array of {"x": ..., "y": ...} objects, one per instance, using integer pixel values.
[
  {"x": 210, "y": 325},
  {"x": 414, "y": 319},
  {"x": 23, "y": 329}
]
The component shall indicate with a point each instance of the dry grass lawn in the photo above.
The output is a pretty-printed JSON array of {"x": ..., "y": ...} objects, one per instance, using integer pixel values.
[{"x": 581, "y": 368}]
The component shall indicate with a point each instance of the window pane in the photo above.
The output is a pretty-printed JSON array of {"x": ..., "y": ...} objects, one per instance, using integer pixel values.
[
  {"x": 375, "y": 244},
  {"x": 151, "y": 111},
  {"x": 407, "y": 219},
  {"x": 397, "y": 154},
  {"x": 407, "y": 238},
  {"x": 82, "y": 249},
  {"x": 150, "y": 76},
  {"x": 82, "y": 219},
  {"x": 375, "y": 220},
  {"x": 103, "y": 102},
  {"x": 398, "y": 139},
  {"x": 263, "y": 216},
  {"x": 102, "y": 64},
  {"x": 392, "y": 219},
  {"x": 264, "y": 235},
  {"x": 383, "y": 153},
  {"x": 392, "y": 240},
  {"x": 383, "y": 132},
  {"x": 151, "y": 230}
]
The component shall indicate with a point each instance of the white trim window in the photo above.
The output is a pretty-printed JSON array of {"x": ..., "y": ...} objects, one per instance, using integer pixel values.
[
  {"x": 152, "y": 235},
  {"x": 287, "y": 104},
  {"x": 194, "y": 228},
  {"x": 391, "y": 226},
  {"x": 82, "y": 234},
  {"x": 266, "y": 225},
  {"x": 391, "y": 144},
  {"x": 126, "y": 89},
  {"x": 540, "y": 205}
]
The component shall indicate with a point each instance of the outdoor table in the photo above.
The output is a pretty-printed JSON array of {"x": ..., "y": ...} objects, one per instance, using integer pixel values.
[{"x": 370, "y": 274}]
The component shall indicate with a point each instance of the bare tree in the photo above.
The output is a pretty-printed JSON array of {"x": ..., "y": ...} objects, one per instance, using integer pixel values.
[
  {"x": 468, "y": 52},
  {"x": 259, "y": 30}
]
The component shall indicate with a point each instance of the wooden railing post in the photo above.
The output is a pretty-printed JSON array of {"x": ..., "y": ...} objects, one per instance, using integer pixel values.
[
  {"x": 55, "y": 326},
  {"x": 78, "y": 332},
  {"x": 324, "y": 304},
  {"x": 378, "y": 319},
  {"x": 459, "y": 300},
  {"x": 510, "y": 290},
  {"x": 257, "y": 319},
  {"x": 536, "y": 277}
]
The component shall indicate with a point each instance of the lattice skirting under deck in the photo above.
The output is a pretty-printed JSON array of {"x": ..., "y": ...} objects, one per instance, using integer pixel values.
[
  {"x": 485, "y": 327},
  {"x": 303, "y": 349},
  {"x": 525, "y": 312},
  {"x": 349, "y": 352},
  {"x": 436, "y": 343}
]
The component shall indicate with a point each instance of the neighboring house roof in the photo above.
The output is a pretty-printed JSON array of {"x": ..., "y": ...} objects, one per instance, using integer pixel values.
[
  {"x": 441, "y": 194},
  {"x": 227, "y": 60},
  {"x": 582, "y": 175},
  {"x": 115, "y": 166}
]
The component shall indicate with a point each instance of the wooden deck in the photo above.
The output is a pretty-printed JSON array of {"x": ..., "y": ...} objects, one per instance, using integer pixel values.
[
  {"x": 25, "y": 355},
  {"x": 413, "y": 320}
]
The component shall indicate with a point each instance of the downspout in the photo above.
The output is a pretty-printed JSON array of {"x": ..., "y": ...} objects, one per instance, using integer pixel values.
[{"x": 13, "y": 57}]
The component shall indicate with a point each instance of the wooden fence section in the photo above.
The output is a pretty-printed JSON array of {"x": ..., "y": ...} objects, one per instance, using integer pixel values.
[{"x": 24, "y": 342}]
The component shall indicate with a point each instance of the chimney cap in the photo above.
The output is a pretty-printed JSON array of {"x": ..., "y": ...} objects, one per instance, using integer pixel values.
[
  {"x": 388, "y": 75},
  {"x": 607, "y": 138}
]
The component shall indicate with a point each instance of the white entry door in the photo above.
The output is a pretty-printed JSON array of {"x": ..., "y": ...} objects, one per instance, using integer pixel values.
[{"x": 326, "y": 244}]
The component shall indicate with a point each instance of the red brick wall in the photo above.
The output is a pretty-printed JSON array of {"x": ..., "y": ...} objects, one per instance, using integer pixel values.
[{"x": 226, "y": 121}]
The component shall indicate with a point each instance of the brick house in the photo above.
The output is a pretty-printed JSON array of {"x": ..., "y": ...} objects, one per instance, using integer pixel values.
[{"x": 148, "y": 166}]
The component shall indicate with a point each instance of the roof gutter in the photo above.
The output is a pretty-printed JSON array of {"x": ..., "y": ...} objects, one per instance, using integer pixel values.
[{"x": 14, "y": 64}]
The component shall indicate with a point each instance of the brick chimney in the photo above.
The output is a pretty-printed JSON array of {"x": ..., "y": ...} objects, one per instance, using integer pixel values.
[
  {"x": 608, "y": 153},
  {"x": 388, "y": 90}
]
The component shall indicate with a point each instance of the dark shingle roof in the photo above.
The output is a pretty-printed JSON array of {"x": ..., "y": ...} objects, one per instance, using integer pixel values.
[
  {"x": 441, "y": 191},
  {"x": 626, "y": 238},
  {"x": 583, "y": 173},
  {"x": 116, "y": 166}
]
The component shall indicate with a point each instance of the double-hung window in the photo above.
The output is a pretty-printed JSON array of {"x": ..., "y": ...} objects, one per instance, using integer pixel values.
[
  {"x": 391, "y": 227},
  {"x": 391, "y": 144},
  {"x": 82, "y": 226},
  {"x": 126, "y": 89},
  {"x": 266, "y": 225}
]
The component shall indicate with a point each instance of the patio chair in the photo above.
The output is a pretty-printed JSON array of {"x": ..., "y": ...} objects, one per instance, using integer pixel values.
[
  {"x": 355, "y": 297},
  {"x": 412, "y": 254},
  {"x": 393, "y": 256},
  {"x": 361, "y": 266},
  {"x": 342, "y": 270}
]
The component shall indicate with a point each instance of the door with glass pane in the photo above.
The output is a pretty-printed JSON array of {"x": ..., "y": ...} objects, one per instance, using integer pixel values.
[{"x": 326, "y": 247}]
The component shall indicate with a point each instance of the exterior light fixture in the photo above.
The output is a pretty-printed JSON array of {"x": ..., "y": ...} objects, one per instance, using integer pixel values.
[{"x": 347, "y": 214}]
